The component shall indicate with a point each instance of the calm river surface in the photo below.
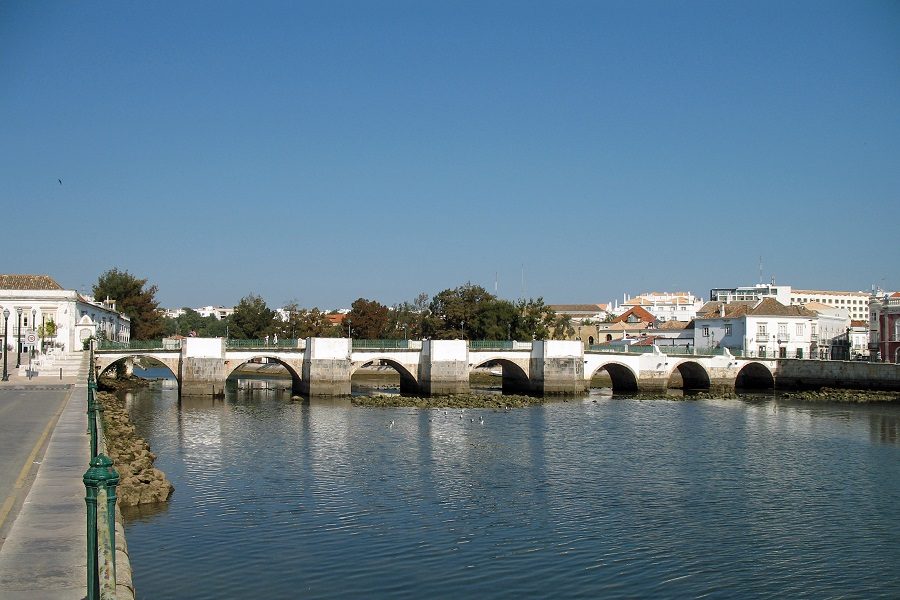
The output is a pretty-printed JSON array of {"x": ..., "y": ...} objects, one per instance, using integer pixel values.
[{"x": 593, "y": 498}]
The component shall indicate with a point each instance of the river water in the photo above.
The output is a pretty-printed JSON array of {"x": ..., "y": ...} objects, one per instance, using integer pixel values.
[{"x": 597, "y": 497}]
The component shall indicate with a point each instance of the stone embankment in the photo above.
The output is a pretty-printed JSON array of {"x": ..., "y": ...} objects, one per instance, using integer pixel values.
[{"x": 139, "y": 481}]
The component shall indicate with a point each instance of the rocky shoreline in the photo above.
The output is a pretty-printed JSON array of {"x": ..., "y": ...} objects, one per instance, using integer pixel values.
[
  {"x": 139, "y": 481},
  {"x": 493, "y": 401},
  {"x": 840, "y": 395}
]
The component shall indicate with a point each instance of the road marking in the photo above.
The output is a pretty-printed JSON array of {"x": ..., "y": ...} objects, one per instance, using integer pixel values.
[{"x": 29, "y": 462}]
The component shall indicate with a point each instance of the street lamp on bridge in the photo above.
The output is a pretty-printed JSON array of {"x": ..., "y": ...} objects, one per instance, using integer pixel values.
[
  {"x": 5, "y": 350},
  {"x": 19, "y": 343}
]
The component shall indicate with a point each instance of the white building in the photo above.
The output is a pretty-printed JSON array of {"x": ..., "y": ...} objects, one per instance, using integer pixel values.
[
  {"x": 764, "y": 328},
  {"x": 855, "y": 304},
  {"x": 44, "y": 315},
  {"x": 664, "y": 306},
  {"x": 219, "y": 312}
]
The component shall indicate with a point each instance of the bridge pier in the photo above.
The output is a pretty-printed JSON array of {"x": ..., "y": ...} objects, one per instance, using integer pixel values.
[
  {"x": 557, "y": 367},
  {"x": 326, "y": 367},
  {"x": 444, "y": 367},
  {"x": 202, "y": 367}
]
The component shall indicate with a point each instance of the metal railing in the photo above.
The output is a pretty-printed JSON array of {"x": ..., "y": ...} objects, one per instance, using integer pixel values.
[
  {"x": 288, "y": 343},
  {"x": 164, "y": 344},
  {"x": 382, "y": 344},
  {"x": 667, "y": 350},
  {"x": 100, "y": 481},
  {"x": 498, "y": 345}
]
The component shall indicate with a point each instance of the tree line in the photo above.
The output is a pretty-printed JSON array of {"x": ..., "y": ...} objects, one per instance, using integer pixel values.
[{"x": 465, "y": 312}]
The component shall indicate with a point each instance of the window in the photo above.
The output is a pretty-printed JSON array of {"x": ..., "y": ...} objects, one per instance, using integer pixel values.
[
  {"x": 727, "y": 328},
  {"x": 801, "y": 329},
  {"x": 762, "y": 351},
  {"x": 782, "y": 352},
  {"x": 761, "y": 331},
  {"x": 706, "y": 332}
]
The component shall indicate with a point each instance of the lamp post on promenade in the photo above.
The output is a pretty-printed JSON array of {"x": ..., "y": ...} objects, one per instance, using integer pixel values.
[
  {"x": 5, "y": 350},
  {"x": 33, "y": 328},
  {"x": 19, "y": 336}
]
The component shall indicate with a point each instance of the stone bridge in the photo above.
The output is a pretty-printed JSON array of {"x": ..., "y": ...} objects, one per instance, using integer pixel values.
[{"x": 324, "y": 367}]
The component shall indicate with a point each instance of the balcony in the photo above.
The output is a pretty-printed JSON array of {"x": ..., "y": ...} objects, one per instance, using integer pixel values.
[{"x": 784, "y": 337}]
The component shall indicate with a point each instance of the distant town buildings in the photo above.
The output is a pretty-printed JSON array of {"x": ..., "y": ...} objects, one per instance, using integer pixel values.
[
  {"x": 884, "y": 327},
  {"x": 664, "y": 306},
  {"x": 579, "y": 313},
  {"x": 855, "y": 304}
]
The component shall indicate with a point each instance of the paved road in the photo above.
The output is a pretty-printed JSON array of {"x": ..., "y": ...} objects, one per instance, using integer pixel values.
[{"x": 27, "y": 416}]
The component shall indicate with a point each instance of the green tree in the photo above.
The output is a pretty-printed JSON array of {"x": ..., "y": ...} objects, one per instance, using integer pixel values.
[
  {"x": 535, "y": 319},
  {"x": 190, "y": 322},
  {"x": 457, "y": 313},
  {"x": 562, "y": 327},
  {"x": 369, "y": 319},
  {"x": 134, "y": 300},
  {"x": 251, "y": 319},
  {"x": 303, "y": 323}
]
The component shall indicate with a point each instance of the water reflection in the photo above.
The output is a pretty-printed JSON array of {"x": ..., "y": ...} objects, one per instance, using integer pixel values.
[
  {"x": 885, "y": 428},
  {"x": 600, "y": 496}
]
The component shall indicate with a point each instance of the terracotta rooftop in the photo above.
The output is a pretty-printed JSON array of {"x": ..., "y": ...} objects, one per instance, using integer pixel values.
[
  {"x": 767, "y": 307},
  {"x": 622, "y": 326},
  {"x": 28, "y": 282},
  {"x": 656, "y": 298},
  {"x": 638, "y": 312},
  {"x": 674, "y": 325}
]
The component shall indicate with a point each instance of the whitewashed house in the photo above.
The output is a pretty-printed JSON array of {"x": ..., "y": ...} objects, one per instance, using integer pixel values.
[
  {"x": 764, "y": 328},
  {"x": 43, "y": 315}
]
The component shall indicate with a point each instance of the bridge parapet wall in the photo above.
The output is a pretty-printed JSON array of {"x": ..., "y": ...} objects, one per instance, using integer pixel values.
[{"x": 806, "y": 374}]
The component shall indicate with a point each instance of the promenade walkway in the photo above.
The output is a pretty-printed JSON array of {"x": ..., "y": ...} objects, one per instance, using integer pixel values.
[{"x": 44, "y": 554}]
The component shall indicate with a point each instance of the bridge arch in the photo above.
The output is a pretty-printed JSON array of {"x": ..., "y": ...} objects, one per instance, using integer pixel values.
[
  {"x": 105, "y": 366},
  {"x": 233, "y": 365},
  {"x": 623, "y": 378},
  {"x": 691, "y": 374},
  {"x": 515, "y": 378},
  {"x": 756, "y": 376},
  {"x": 408, "y": 382}
]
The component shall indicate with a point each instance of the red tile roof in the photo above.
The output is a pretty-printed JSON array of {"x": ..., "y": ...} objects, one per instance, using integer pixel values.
[
  {"x": 638, "y": 312},
  {"x": 28, "y": 282}
]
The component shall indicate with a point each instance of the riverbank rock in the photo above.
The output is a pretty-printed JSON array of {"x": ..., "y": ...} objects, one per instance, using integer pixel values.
[
  {"x": 139, "y": 481},
  {"x": 495, "y": 401},
  {"x": 840, "y": 395},
  {"x": 114, "y": 384}
]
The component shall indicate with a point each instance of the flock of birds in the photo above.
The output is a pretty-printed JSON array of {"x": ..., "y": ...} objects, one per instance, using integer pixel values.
[{"x": 461, "y": 416}]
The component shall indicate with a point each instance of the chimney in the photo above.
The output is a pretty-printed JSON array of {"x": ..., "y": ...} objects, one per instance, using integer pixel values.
[{"x": 722, "y": 310}]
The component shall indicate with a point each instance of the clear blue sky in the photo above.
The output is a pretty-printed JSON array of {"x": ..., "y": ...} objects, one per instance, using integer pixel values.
[{"x": 322, "y": 152}]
